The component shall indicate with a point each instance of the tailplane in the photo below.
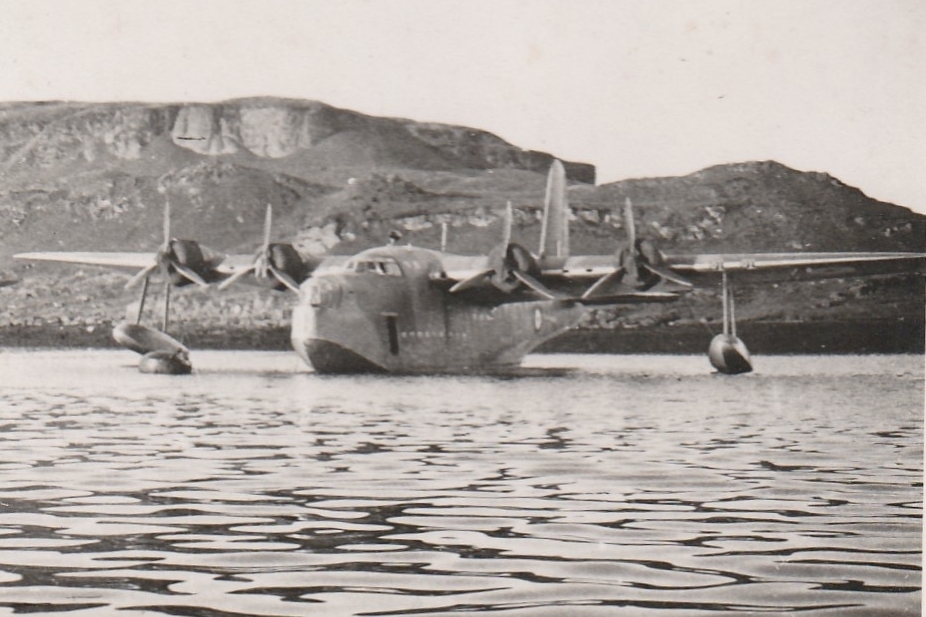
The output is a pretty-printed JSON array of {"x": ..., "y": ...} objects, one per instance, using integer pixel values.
[{"x": 554, "y": 231}]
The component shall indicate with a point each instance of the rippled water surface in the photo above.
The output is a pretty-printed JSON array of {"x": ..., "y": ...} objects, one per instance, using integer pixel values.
[{"x": 621, "y": 485}]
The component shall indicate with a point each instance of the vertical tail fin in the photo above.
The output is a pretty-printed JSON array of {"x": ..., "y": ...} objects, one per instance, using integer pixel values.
[{"x": 554, "y": 231}]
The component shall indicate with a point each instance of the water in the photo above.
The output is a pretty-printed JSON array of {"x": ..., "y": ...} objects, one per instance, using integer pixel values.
[{"x": 620, "y": 485}]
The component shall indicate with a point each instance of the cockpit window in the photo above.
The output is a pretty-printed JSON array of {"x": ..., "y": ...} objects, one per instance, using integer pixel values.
[{"x": 381, "y": 265}]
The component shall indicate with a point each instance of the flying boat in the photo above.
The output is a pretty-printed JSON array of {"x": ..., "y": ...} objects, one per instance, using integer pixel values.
[{"x": 413, "y": 310}]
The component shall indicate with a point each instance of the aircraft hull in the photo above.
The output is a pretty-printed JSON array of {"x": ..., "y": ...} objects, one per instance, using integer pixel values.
[
  {"x": 330, "y": 357},
  {"x": 342, "y": 328}
]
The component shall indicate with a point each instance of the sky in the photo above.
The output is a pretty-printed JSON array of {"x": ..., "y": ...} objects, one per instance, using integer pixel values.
[{"x": 639, "y": 88}]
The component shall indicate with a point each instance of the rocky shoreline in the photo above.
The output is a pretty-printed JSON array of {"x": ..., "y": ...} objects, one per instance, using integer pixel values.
[
  {"x": 873, "y": 336},
  {"x": 881, "y": 336}
]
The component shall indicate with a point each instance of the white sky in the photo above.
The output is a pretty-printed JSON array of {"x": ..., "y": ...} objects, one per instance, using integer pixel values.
[{"x": 636, "y": 87}]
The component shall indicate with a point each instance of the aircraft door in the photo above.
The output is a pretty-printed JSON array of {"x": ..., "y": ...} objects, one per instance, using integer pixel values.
[{"x": 392, "y": 332}]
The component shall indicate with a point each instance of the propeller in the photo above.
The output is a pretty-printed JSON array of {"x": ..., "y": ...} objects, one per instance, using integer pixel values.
[
  {"x": 173, "y": 255},
  {"x": 641, "y": 260},
  {"x": 510, "y": 266},
  {"x": 278, "y": 261},
  {"x": 520, "y": 264},
  {"x": 639, "y": 264}
]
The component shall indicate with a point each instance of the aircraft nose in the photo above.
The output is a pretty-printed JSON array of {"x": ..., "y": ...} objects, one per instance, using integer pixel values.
[{"x": 323, "y": 292}]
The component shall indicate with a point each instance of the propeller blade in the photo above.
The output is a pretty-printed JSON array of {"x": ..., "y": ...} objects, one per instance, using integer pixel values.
[
  {"x": 509, "y": 218},
  {"x": 627, "y": 261},
  {"x": 261, "y": 264},
  {"x": 629, "y": 295},
  {"x": 472, "y": 281},
  {"x": 263, "y": 259},
  {"x": 234, "y": 278},
  {"x": 189, "y": 273},
  {"x": 629, "y": 224},
  {"x": 667, "y": 275},
  {"x": 284, "y": 278},
  {"x": 534, "y": 284},
  {"x": 268, "y": 221},
  {"x": 628, "y": 256},
  {"x": 141, "y": 275},
  {"x": 166, "y": 223},
  {"x": 615, "y": 275}
]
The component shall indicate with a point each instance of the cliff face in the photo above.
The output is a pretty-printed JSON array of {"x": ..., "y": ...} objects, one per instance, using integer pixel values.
[
  {"x": 73, "y": 172},
  {"x": 49, "y": 136}
]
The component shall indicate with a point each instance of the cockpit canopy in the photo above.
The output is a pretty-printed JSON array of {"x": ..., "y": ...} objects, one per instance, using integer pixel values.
[{"x": 384, "y": 266}]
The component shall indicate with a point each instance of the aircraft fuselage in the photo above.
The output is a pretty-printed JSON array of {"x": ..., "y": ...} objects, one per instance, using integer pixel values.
[{"x": 382, "y": 313}]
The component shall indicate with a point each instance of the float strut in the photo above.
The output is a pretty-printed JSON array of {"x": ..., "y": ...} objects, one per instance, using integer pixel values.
[
  {"x": 729, "y": 312},
  {"x": 727, "y": 353},
  {"x": 166, "y": 307},
  {"x": 732, "y": 314},
  {"x": 141, "y": 303}
]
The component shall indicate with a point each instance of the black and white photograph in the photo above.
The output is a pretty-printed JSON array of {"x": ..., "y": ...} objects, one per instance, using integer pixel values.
[{"x": 531, "y": 308}]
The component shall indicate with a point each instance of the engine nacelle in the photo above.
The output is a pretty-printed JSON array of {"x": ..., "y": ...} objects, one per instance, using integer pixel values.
[
  {"x": 506, "y": 259},
  {"x": 194, "y": 256},
  {"x": 287, "y": 260},
  {"x": 640, "y": 267}
]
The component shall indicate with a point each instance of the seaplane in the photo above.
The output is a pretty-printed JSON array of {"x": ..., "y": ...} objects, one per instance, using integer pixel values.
[{"x": 410, "y": 310}]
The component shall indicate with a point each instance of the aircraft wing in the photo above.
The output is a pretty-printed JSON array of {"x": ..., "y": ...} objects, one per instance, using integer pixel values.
[
  {"x": 566, "y": 278},
  {"x": 798, "y": 266},
  {"x": 456, "y": 268},
  {"x": 132, "y": 261},
  {"x": 117, "y": 261},
  {"x": 780, "y": 267},
  {"x": 218, "y": 269},
  {"x": 563, "y": 279}
]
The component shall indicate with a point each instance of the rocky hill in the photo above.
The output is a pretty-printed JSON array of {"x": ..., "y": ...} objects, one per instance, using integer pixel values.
[
  {"x": 77, "y": 176},
  {"x": 73, "y": 173}
]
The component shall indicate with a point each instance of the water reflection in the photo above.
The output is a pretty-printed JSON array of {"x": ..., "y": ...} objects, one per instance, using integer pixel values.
[{"x": 623, "y": 484}]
